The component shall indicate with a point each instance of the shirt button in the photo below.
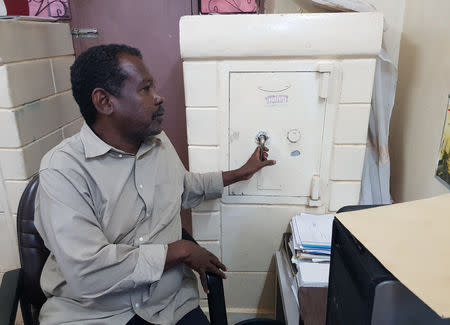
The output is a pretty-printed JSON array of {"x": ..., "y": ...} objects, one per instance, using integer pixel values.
[
  {"x": 140, "y": 186},
  {"x": 141, "y": 239},
  {"x": 120, "y": 155},
  {"x": 136, "y": 305},
  {"x": 147, "y": 214}
]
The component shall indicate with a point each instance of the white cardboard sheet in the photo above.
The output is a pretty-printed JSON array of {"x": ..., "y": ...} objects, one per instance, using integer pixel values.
[{"x": 412, "y": 240}]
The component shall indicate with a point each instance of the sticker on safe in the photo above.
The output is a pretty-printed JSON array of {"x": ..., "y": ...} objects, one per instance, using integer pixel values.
[{"x": 276, "y": 100}]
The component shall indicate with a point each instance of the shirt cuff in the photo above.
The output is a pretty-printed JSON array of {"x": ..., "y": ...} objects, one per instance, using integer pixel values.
[
  {"x": 150, "y": 265},
  {"x": 214, "y": 187}
]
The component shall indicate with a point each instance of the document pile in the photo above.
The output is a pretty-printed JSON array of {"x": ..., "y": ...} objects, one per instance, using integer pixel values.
[{"x": 310, "y": 245}]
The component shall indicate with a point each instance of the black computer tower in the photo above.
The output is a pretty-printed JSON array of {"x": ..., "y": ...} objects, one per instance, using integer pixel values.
[{"x": 362, "y": 291}]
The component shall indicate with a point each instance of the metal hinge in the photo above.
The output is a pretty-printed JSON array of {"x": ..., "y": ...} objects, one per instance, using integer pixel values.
[
  {"x": 85, "y": 32},
  {"x": 324, "y": 70},
  {"x": 314, "y": 200}
]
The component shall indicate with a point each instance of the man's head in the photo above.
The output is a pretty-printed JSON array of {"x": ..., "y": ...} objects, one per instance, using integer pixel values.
[{"x": 111, "y": 83}]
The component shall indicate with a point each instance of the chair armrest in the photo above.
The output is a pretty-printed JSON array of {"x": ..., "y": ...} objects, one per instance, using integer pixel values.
[
  {"x": 186, "y": 236},
  {"x": 216, "y": 300},
  {"x": 216, "y": 296},
  {"x": 9, "y": 296}
]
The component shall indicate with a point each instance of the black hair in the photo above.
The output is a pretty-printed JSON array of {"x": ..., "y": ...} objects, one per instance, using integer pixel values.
[{"x": 98, "y": 67}]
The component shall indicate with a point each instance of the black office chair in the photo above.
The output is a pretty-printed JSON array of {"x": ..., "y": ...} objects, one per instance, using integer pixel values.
[{"x": 23, "y": 284}]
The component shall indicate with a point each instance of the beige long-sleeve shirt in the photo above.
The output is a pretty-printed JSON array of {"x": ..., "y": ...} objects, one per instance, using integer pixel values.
[{"x": 107, "y": 217}]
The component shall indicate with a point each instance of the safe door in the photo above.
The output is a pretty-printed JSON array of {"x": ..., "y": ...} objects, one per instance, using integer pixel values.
[{"x": 288, "y": 111}]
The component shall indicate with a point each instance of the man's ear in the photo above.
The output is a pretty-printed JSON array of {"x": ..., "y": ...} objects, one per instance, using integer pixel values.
[{"x": 102, "y": 101}]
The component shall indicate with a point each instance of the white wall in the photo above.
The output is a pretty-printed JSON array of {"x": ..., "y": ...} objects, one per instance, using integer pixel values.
[
  {"x": 393, "y": 11},
  {"x": 37, "y": 111},
  {"x": 423, "y": 88}
]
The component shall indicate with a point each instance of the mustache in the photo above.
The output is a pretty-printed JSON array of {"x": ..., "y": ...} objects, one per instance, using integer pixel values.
[{"x": 159, "y": 112}]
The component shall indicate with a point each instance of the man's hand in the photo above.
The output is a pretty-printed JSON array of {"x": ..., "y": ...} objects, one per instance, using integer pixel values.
[
  {"x": 204, "y": 261},
  {"x": 196, "y": 257},
  {"x": 253, "y": 164}
]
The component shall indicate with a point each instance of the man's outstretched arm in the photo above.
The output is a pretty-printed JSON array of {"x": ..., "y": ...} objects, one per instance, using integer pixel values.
[{"x": 207, "y": 186}]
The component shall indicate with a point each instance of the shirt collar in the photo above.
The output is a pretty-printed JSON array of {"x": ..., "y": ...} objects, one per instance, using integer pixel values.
[
  {"x": 95, "y": 147},
  {"x": 147, "y": 145}
]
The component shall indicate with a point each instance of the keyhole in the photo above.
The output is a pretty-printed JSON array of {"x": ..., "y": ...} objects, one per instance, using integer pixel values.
[{"x": 261, "y": 138}]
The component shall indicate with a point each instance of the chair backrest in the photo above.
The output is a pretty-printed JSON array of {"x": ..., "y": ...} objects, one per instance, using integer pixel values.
[{"x": 33, "y": 255}]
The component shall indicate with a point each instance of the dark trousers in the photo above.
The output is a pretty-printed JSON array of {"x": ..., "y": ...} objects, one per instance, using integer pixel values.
[{"x": 194, "y": 317}]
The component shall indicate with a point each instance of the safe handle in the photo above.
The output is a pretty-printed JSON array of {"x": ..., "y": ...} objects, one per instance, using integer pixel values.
[{"x": 261, "y": 139}]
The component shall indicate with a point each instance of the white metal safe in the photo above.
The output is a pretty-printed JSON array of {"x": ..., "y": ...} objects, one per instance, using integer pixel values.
[{"x": 304, "y": 83}]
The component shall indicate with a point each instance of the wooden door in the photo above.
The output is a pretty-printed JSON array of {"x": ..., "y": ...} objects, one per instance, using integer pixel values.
[{"x": 151, "y": 26}]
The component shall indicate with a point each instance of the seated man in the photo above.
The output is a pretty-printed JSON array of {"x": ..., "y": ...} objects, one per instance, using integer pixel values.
[{"x": 109, "y": 200}]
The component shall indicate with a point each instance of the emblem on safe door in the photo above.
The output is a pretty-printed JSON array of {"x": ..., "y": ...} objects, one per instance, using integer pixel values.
[{"x": 274, "y": 100}]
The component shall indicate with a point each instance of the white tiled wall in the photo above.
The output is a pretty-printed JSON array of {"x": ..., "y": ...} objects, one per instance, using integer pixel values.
[
  {"x": 72, "y": 128},
  {"x": 347, "y": 162},
  {"x": 251, "y": 234},
  {"x": 37, "y": 111},
  {"x": 350, "y": 134},
  {"x": 24, "y": 82},
  {"x": 259, "y": 288},
  {"x": 202, "y": 126},
  {"x": 348, "y": 129},
  {"x": 3, "y": 199},
  {"x": 43, "y": 115},
  {"x": 204, "y": 76},
  {"x": 29, "y": 40},
  {"x": 22, "y": 163},
  {"x": 357, "y": 80},
  {"x": 14, "y": 189},
  {"x": 344, "y": 193},
  {"x": 203, "y": 159},
  {"x": 8, "y": 251},
  {"x": 60, "y": 67},
  {"x": 206, "y": 225}
]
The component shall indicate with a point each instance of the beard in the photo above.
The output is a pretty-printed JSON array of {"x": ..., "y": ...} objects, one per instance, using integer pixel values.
[
  {"x": 159, "y": 113},
  {"x": 155, "y": 125}
]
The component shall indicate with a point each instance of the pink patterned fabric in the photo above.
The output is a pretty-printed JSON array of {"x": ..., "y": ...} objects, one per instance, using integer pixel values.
[
  {"x": 228, "y": 6},
  {"x": 49, "y": 8}
]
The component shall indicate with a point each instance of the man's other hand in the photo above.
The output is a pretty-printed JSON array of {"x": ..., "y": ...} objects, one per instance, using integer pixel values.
[
  {"x": 256, "y": 161},
  {"x": 203, "y": 261},
  {"x": 196, "y": 257}
]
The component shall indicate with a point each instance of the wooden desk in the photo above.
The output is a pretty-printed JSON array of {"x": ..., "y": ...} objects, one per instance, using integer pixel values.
[
  {"x": 313, "y": 300},
  {"x": 313, "y": 305}
]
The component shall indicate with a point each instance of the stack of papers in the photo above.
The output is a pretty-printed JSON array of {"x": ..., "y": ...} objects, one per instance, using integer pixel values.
[
  {"x": 312, "y": 232},
  {"x": 310, "y": 245},
  {"x": 313, "y": 274}
]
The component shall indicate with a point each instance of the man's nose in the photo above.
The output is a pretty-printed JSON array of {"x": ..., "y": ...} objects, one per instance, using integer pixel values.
[{"x": 158, "y": 100}]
